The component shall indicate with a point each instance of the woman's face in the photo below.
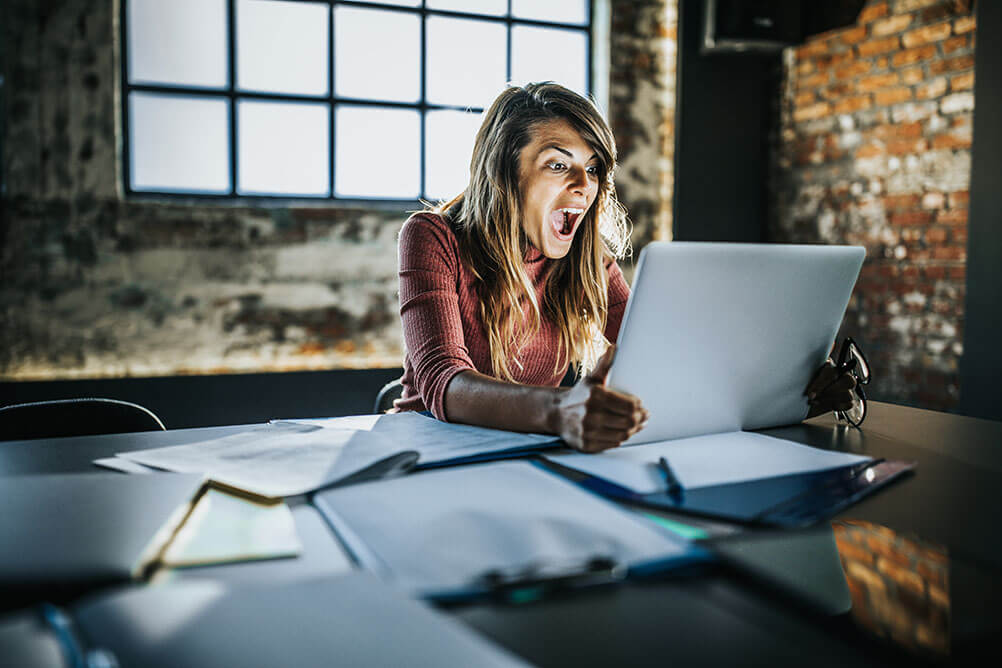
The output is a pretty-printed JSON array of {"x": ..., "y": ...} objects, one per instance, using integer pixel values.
[{"x": 558, "y": 181}]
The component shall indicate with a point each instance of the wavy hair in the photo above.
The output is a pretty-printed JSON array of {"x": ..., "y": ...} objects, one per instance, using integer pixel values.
[{"x": 487, "y": 219}]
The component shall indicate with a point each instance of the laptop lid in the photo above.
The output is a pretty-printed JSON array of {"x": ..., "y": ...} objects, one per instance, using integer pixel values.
[{"x": 724, "y": 336}]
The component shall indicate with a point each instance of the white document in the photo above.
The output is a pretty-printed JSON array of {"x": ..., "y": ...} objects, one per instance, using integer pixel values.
[
  {"x": 436, "y": 442},
  {"x": 440, "y": 531},
  {"x": 704, "y": 461},
  {"x": 279, "y": 459}
]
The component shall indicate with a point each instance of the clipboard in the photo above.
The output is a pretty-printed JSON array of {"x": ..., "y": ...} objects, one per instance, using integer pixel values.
[{"x": 788, "y": 501}]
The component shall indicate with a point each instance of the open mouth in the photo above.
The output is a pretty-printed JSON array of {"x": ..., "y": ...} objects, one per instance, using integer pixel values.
[{"x": 564, "y": 221}]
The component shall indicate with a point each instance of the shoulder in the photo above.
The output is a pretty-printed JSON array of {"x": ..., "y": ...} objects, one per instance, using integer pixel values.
[{"x": 427, "y": 235}]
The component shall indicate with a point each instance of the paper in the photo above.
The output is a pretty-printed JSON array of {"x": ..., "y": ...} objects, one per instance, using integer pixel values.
[
  {"x": 279, "y": 459},
  {"x": 224, "y": 528},
  {"x": 436, "y": 442},
  {"x": 438, "y": 532},
  {"x": 704, "y": 461}
]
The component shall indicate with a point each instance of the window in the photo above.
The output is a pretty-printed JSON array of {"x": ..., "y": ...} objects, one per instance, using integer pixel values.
[{"x": 357, "y": 101}]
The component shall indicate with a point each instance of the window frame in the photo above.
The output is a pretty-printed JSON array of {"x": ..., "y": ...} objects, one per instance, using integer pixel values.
[{"x": 232, "y": 94}]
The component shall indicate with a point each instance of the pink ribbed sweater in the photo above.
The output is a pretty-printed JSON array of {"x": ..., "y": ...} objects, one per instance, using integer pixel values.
[{"x": 441, "y": 317}]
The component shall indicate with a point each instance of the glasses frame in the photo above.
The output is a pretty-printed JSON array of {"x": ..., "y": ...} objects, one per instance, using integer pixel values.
[{"x": 846, "y": 363}]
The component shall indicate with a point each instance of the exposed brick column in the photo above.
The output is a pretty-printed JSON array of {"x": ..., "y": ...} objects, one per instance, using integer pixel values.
[
  {"x": 874, "y": 149},
  {"x": 643, "y": 51}
]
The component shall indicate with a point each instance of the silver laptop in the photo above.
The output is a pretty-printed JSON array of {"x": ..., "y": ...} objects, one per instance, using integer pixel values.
[{"x": 723, "y": 336}]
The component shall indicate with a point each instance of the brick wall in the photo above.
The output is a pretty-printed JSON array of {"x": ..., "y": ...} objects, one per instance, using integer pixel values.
[
  {"x": 873, "y": 148},
  {"x": 900, "y": 586},
  {"x": 92, "y": 285}
]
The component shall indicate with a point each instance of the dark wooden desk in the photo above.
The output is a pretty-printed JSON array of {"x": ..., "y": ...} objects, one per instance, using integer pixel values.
[{"x": 946, "y": 515}]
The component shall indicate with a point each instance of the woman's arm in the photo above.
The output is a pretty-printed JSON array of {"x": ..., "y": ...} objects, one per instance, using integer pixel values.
[{"x": 588, "y": 416}]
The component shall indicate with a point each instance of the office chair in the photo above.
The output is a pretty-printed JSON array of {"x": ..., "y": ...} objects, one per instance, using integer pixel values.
[
  {"x": 384, "y": 400},
  {"x": 74, "y": 417}
]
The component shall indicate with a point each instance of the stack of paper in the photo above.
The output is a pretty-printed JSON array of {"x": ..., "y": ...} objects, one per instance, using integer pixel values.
[{"x": 291, "y": 457}]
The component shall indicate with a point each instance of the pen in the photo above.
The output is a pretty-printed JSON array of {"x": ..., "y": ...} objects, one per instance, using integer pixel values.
[{"x": 675, "y": 488}]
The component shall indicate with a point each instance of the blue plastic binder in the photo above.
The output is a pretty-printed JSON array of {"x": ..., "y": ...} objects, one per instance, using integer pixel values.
[{"x": 793, "y": 500}]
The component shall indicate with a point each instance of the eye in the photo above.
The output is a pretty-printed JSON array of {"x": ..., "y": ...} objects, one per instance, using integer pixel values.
[
  {"x": 556, "y": 166},
  {"x": 593, "y": 170}
]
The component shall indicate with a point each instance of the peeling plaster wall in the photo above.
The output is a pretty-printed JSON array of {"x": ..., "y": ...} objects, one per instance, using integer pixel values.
[{"x": 92, "y": 285}]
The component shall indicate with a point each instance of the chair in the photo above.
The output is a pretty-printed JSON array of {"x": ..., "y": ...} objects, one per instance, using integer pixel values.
[
  {"x": 74, "y": 417},
  {"x": 384, "y": 400}
]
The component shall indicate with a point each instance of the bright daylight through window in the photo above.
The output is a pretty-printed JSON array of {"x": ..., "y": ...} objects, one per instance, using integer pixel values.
[{"x": 376, "y": 100}]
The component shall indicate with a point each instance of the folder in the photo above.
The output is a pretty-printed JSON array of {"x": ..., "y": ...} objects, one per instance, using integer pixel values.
[
  {"x": 737, "y": 476},
  {"x": 496, "y": 528},
  {"x": 75, "y": 532},
  {"x": 352, "y": 620}
]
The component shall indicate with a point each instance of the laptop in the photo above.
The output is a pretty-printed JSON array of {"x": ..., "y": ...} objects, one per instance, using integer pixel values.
[{"x": 719, "y": 337}]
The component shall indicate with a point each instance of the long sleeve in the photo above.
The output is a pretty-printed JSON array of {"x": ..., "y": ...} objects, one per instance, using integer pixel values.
[
  {"x": 429, "y": 309},
  {"x": 619, "y": 294}
]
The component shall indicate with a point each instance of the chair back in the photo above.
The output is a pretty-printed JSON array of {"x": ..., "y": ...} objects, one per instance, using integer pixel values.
[
  {"x": 384, "y": 400},
  {"x": 75, "y": 417}
]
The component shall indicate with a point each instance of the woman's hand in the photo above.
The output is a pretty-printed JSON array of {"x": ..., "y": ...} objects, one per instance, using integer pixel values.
[
  {"x": 592, "y": 418},
  {"x": 831, "y": 389}
]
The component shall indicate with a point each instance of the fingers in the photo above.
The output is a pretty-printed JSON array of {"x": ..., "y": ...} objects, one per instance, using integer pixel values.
[
  {"x": 601, "y": 370},
  {"x": 822, "y": 379}
]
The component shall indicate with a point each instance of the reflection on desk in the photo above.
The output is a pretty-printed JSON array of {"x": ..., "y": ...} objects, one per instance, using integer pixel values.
[{"x": 899, "y": 586}]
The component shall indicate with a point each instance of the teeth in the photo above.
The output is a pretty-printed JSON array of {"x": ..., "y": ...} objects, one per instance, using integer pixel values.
[{"x": 571, "y": 210}]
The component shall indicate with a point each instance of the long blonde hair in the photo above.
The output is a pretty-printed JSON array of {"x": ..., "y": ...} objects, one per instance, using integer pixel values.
[{"x": 487, "y": 219}]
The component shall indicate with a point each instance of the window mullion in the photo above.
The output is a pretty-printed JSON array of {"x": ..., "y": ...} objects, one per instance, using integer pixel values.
[{"x": 231, "y": 90}]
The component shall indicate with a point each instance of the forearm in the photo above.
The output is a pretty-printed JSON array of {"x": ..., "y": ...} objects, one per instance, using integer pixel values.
[{"x": 474, "y": 398}]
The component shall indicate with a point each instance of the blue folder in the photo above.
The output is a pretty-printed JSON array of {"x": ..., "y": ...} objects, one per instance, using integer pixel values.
[
  {"x": 793, "y": 500},
  {"x": 507, "y": 528}
]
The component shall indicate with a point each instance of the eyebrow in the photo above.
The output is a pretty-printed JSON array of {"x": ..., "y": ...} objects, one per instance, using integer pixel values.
[{"x": 557, "y": 147}]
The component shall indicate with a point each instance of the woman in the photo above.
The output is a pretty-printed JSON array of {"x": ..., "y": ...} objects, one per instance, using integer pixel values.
[{"x": 505, "y": 286}]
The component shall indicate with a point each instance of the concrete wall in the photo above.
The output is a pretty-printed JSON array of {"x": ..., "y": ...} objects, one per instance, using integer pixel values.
[{"x": 94, "y": 285}]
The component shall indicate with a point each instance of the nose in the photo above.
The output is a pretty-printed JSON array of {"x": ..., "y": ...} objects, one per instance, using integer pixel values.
[{"x": 577, "y": 181}]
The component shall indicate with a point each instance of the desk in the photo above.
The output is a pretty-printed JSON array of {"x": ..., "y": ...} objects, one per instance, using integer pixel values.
[{"x": 723, "y": 617}]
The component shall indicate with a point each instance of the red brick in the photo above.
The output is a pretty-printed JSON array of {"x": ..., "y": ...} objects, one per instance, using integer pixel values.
[
  {"x": 901, "y": 201},
  {"x": 874, "y": 47},
  {"x": 958, "y": 273},
  {"x": 891, "y": 96},
  {"x": 852, "y": 70},
  {"x": 934, "y": 88},
  {"x": 819, "y": 110},
  {"x": 891, "y": 25},
  {"x": 870, "y": 151},
  {"x": 853, "y": 35},
  {"x": 949, "y": 253},
  {"x": 951, "y": 65},
  {"x": 960, "y": 235},
  {"x": 911, "y": 218},
  {"x": 805, "y": 67},
  {"x": 935, "y": 235},
  {"x": 934, "y": 272},
  {"x": 851, "y": 104},
  {"x": 954, "y": 44},
  {"x": 836, "y": 91},
  {"x": 876, "y": 81},
  {"x": 813, "y": 81},
  {"x": 959, "y": 198},
  {"x": 814, "y": 47},
  {"x": 926, "y": 34},
  {"x": 963, "y": 25},
  {"x": 804, "y": 99},
  {"x": 952, "y": 217},
  {"x": 873, "y": 12},
  {"x": 962, "y": 81},
  {"x": 912, "y": 75},
  {"x": 912, "y": 56},
  {"x": 950, "y": 140}
]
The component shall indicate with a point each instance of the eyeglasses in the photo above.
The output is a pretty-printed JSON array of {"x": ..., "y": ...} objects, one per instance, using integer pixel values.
[{"x": 852, "y": 361}]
